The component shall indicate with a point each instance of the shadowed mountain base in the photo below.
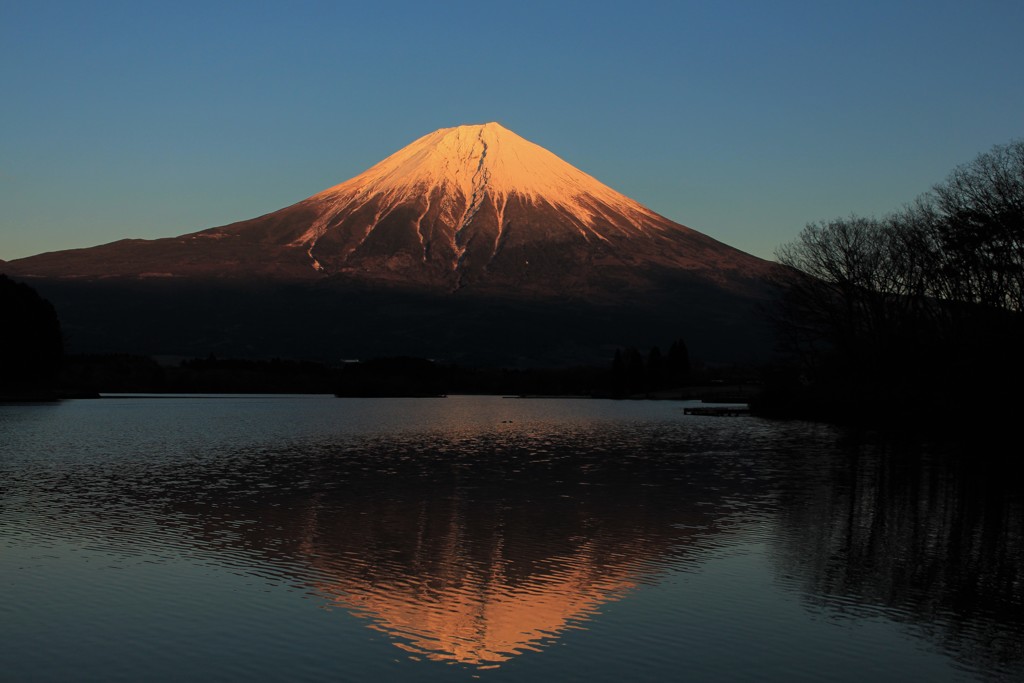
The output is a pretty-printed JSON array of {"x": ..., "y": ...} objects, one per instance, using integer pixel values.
[{"x": 331, "y": 321}]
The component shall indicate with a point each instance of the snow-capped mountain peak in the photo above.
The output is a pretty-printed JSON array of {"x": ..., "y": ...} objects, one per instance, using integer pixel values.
[
  {"x": 471, "y": 206},
  {"x": 482, "y": 159}
]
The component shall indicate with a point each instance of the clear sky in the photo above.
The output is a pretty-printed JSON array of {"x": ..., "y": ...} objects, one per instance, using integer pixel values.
[{"x": 744, "y": 120}]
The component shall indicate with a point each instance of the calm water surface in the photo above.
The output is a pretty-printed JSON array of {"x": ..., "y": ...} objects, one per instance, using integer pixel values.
[{"x": 321, "y": 539}]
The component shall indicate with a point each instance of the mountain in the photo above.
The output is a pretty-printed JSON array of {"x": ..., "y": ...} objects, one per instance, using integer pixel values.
[{"x": 468, "y": 223}]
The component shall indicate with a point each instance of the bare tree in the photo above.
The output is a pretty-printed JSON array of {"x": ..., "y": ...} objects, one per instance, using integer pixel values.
[
  {"x": 981, "y": 229},
  {"x": 883, "y": 303}
]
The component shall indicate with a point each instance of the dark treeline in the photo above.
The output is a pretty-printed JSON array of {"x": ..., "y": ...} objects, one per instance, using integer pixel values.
[
  {"x": 33, "y": 367},
  {"x": 419, "y": 377},
  {"x": 375, "y": 377},
  {"x": 31, "y": 344},
  {"x": 629, "y": 374},
  {"x": 916, "y": 315},
  {"x": 123, "y": 373},
  {"x": 633, "y": 373}
]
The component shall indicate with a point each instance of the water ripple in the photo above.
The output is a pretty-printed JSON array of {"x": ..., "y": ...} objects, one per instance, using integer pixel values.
[{"x": 474, "y": 531}]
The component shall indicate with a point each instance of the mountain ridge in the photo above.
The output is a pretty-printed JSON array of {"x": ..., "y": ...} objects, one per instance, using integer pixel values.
[
  {"x": 469, "y": 205},
  {"x": 472, "y": 223}
]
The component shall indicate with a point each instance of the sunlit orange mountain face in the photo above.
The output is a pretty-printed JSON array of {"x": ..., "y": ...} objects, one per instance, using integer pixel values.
[{"x": 464, "y": 238}]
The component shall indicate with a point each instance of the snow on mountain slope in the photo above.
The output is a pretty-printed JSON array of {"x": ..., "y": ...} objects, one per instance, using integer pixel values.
[
  {"x": 484, "y": 162},
  {"x": 472, "y": 206}
]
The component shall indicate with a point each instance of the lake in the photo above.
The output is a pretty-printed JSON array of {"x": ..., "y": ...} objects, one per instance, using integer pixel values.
[{"x": 308, "y": 538}]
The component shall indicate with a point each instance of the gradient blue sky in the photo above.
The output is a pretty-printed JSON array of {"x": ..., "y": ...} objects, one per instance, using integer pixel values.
[{"x": 744, "y": 120}]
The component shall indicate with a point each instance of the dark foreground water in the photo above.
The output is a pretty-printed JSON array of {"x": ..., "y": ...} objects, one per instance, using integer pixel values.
[{"x": 321, "y": 539}]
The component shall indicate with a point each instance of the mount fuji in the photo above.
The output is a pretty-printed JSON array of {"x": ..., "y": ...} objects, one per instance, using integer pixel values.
[{"x": 436, "y": 250}]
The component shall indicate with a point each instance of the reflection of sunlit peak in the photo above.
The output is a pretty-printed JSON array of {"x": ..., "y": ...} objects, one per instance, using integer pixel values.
[
  {"x": 483, "y": 617},
  {"x": 478, "y": 565}
]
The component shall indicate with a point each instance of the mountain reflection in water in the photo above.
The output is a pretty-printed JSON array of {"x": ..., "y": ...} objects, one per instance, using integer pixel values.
[
  {"x": 472, "y": 549},
  {"x": 477, "y": 541}
]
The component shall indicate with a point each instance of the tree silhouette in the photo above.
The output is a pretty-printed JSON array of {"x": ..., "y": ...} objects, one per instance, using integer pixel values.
[
  {"x": 31, "y": 345},
  {"x": 678, "y": 363},
  {"x": 919, "y": 306},
  {"x": 656, "y": 371}
]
